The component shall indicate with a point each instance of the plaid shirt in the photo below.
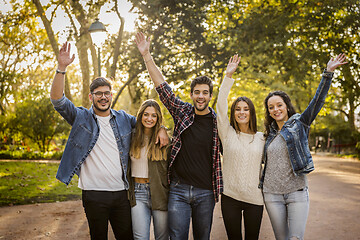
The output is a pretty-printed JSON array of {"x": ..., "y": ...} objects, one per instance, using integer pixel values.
[{"x": 183, "y": 114}]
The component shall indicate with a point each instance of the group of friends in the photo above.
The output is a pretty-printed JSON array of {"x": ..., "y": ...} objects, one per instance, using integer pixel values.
[{"x": 130, "y": 173}]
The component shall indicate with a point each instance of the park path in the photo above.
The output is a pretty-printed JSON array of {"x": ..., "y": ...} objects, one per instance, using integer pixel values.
[{"x": 334, "y": 210}]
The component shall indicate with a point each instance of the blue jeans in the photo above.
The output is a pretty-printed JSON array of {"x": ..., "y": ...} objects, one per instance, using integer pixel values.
[
  {"x": 288, "y": 213},
  {"x": 141, "y": 216},
  {"x": 185, "y": 202}
]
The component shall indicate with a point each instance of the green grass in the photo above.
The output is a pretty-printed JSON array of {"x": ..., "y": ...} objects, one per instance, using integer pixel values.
[{"x": 31, "y": 182}]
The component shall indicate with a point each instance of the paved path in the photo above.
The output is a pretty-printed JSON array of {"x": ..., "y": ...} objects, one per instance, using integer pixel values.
[
  {"x": 334, "y": 213},
  {"x": 334, "y": 210}
]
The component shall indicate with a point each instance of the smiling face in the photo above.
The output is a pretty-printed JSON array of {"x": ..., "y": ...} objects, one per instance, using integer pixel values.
[
  {"x": 242, "y": 113},
  {"x": 277, "y": 109},
  {"x": 149, "y": 118},
  {"x": 101, "y": 104},
  {"x": 201, "y": 97}
]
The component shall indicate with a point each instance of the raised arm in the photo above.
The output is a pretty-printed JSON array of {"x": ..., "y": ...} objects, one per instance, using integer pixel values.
[
  {"x": 232, "y": 65},
  {"x": 64, "y": 60},
  {"x": 318, "y": 100},
  {"x": 222, "y": 103},
  {"x": 143, "y": 45}
]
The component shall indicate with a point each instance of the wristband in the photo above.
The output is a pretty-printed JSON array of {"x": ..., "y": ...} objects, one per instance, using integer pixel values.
[
  {"x": 327, "y": 74},
  {"x": 62, "y": 72}
]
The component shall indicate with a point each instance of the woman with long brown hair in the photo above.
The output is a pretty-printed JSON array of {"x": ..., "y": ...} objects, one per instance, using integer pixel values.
[
  {"x": 148, "y": 184},
  {"x": 287, "y": 157},
  {"x": 242, "y": 155}
]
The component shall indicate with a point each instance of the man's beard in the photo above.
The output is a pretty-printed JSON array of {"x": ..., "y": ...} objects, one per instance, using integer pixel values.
[
  {"x": 201, "y": 109},
  {"x": 95, "y": 104}
]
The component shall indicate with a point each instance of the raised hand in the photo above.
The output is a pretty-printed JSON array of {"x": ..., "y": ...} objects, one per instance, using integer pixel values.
[
  {"x": 334, "y": 63},
  {"x": 64, "y": 59},
  {"x": 142, "y": 43},
  {"x": 232, "y": 65}
]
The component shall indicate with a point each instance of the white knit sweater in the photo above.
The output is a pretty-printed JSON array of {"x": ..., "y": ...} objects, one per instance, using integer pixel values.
[{"x": 242, "y": 154}]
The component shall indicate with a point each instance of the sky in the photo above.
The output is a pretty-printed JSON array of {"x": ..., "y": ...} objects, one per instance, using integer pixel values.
[{"x": 109, "y": 19}]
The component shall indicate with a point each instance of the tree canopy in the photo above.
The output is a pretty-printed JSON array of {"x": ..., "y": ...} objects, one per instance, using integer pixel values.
[{"x": 284, "y": 45}]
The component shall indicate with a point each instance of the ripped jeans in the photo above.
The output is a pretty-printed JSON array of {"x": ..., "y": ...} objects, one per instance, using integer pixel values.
[{"x": 288, "y": 213}]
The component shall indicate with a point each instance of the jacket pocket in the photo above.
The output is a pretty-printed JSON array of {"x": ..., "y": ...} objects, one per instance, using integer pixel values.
[{"x": 81, "y": 136}]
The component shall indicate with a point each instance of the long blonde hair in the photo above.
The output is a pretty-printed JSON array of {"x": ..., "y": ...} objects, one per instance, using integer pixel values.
[{"x": 155, "y": 153}]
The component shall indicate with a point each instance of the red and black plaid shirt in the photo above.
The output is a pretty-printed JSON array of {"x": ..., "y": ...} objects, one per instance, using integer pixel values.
[{"x": 183, "y": 114}]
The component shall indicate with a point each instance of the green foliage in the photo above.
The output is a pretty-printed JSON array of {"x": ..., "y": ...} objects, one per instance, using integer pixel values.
[
  {"x": 23, "y": 46},
  {"x": 38, "y": 121},
  {"x": 30, "y": 182},
  {"x": 284, "y": 45},
  {"x": 20, "y": 153}
]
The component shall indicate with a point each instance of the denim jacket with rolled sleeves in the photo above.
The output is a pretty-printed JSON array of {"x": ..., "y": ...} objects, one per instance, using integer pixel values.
[
  {"x": 84, "y": 134},
  {"x": 296, "y": 131}
]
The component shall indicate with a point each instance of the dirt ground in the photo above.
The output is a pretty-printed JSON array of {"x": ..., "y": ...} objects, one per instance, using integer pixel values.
[{"x": 334, "y": 210}]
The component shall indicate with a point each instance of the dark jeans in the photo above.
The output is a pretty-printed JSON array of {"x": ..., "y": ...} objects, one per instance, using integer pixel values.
[
  {"x": 186, "y": 202},
  {"x": 233, "y": 210},
  {"x": 104, "y": 206}
]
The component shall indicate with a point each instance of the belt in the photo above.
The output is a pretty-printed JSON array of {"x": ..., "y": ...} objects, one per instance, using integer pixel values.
[{"x": 141, "y": 180}]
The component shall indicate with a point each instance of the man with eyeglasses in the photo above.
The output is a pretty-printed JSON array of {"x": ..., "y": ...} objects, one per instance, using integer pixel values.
[{"x": 97, "y": 151}]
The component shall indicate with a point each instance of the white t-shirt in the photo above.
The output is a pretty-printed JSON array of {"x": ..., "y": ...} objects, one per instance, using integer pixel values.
[
  {"x": 102, "y": 169},
  {"x": 139, "y": 166}
]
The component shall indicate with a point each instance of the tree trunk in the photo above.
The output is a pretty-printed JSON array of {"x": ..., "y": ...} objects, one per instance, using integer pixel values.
[
  {"x": 348, "y": 86},
  {"x": 118, "y": 41},
  {"x": 131, "y": 78},
  {"x": 52, "y": 39},
  {"x": 82, "y": 47}
]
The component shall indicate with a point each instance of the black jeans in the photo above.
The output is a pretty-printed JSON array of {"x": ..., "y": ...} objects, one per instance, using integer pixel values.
[
  {"x": 104, "y": 206},
  {"x": 233, "y": 210}
]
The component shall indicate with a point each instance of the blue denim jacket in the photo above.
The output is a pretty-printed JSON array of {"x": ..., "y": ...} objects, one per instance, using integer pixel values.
[
  {"x": 296, "y": 131},
  {"x": 84, "y": 134}
]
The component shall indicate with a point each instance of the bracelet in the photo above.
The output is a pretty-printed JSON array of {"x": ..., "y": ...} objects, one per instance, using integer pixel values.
[
  {"x": 62, "y": 72},
  {"x": 162, "y": 126},
  {"x": 145, "y": 54}
]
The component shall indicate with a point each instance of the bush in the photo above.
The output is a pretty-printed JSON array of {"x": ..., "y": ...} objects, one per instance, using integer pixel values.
[{"x": 30, "y": 155}]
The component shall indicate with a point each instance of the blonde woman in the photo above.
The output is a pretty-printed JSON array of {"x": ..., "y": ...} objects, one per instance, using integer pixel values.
[{"x": 148, "y": 184}]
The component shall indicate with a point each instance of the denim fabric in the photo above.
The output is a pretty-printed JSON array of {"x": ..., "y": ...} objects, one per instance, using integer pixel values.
[
  {"x": 185, "y": 202},
  {"x": 102, "y": 207},
  {"x": 84, "y": 134},
  {"x": 296, "y": 131},
  {"x": 141, "y": 216},
  {"x": 288, "y": 213}
]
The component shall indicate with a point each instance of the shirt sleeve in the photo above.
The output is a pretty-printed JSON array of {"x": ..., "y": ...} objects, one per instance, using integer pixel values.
[
  {"x": 168, "y": 98},
  {"x": 222, "y": 108},
  {"x": 66, "y": 109}
]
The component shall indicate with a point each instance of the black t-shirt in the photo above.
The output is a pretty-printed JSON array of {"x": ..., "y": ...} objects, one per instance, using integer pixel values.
[{"x": 193, "y": 163}]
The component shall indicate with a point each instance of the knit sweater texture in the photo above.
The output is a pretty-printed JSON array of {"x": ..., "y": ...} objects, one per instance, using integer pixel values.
[{"x": 242, "y": 154}]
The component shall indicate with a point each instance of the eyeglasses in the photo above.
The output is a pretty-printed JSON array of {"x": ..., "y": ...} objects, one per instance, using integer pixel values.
[{"x": 99, "y": 94}]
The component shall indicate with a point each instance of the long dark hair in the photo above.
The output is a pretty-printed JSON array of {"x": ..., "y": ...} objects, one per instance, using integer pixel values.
[
  {"x": 290, "y": 109},
  {"x": 252, "y": 122}
]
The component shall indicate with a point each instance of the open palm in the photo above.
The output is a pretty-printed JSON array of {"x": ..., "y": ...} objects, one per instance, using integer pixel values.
[
  {"x": 232, "y": 65},
  {"x": 334, "y": 63},
  {"x": 142, "y": 43},
  {"x": 64, "y": 55}
]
